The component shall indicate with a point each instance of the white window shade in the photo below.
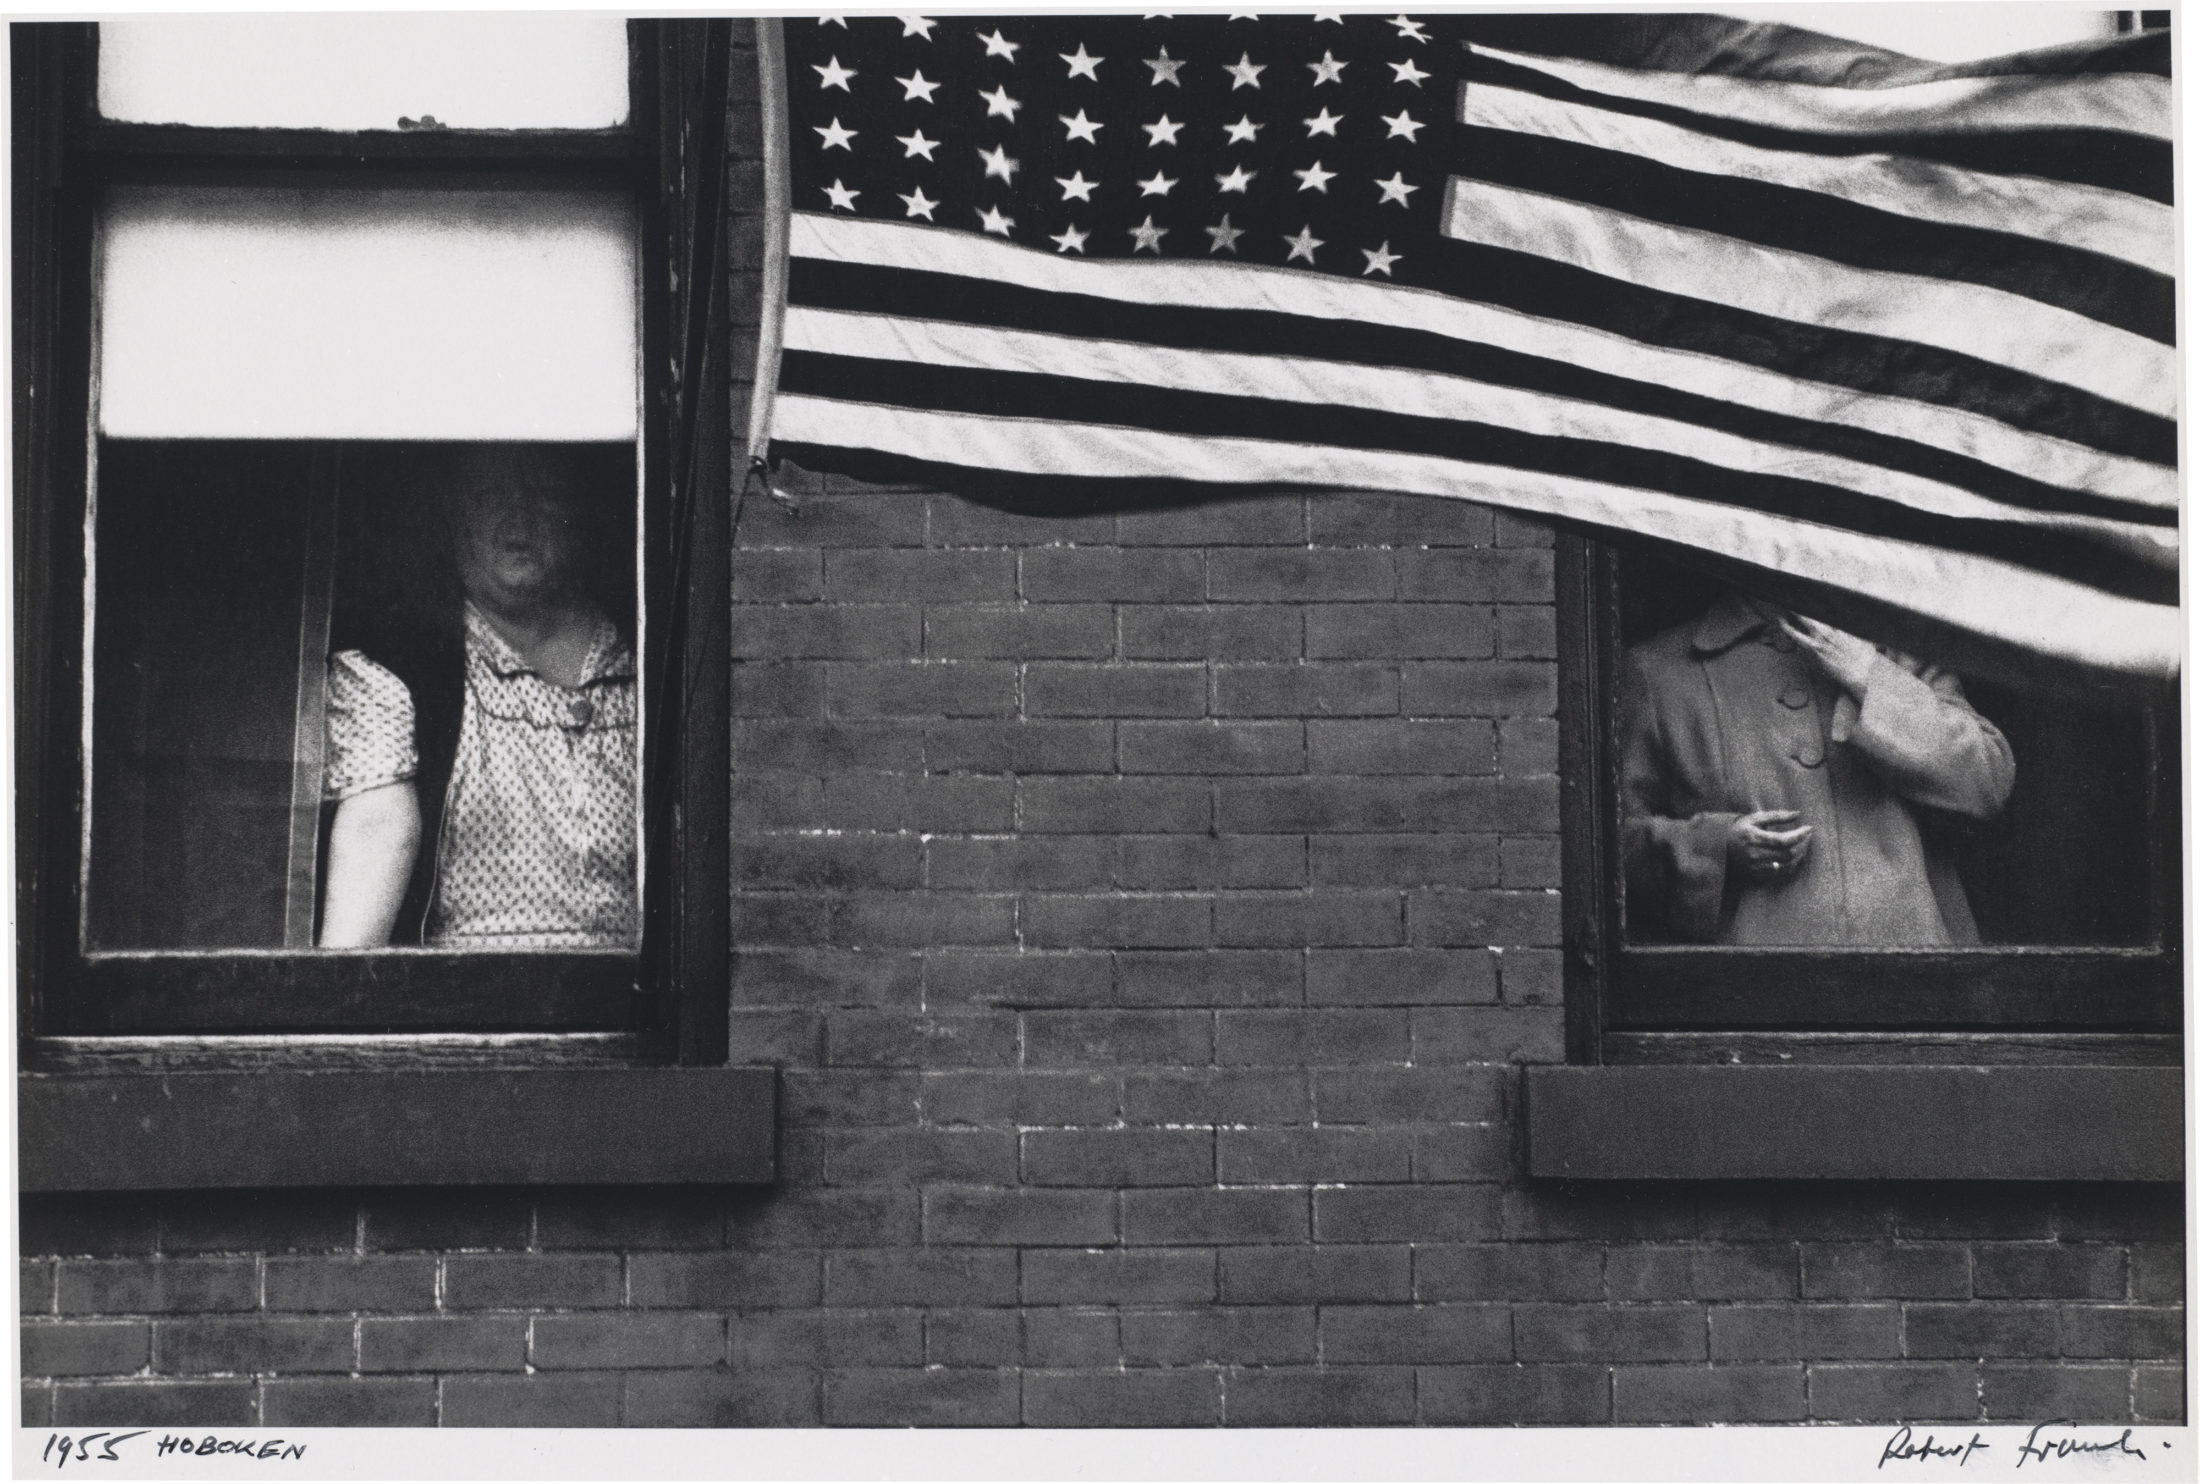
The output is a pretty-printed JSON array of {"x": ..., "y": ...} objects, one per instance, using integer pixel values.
[
  {"x": 358, "y": 72},
  {"x": 444, "y": 314}
]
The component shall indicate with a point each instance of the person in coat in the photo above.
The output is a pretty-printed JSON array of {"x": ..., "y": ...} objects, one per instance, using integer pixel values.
[{"x": 1777, "y": 776}]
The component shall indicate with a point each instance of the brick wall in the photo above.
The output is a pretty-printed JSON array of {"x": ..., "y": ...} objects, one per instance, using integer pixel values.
[{"x": 1150, "y": 913}]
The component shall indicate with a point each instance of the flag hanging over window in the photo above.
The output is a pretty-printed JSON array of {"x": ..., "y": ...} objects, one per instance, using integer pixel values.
[{"x": 1843, "y": 318}]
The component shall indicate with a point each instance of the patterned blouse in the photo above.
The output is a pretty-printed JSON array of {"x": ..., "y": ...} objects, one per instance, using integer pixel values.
[{"x": 538, "y": 845}]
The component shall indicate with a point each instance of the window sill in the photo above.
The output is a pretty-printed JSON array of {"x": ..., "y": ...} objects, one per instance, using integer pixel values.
[
  {"x": 1855, "y": 1123},
  {"x": 561, "y": 1126}
]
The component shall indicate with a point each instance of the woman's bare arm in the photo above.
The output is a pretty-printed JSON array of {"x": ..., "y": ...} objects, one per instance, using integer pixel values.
[{"x": 372, "y": 843}]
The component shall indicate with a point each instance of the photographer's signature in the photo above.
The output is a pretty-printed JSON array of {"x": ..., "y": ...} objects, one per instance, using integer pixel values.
[{"x": 2048, "y": 1442}]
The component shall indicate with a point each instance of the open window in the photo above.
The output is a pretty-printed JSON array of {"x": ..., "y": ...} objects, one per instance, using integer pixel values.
[{"x": 298, "y": 299}]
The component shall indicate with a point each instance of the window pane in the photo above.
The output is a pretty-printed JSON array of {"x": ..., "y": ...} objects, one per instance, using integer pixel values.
[
  {"x": 282, "y": 630},
  {"x": 358, "y": 72},
  {"x": 256, "y": 313}
]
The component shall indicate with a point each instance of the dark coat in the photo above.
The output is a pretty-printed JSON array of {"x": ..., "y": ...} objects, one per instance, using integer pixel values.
[{"x": 1724, "y": 717}]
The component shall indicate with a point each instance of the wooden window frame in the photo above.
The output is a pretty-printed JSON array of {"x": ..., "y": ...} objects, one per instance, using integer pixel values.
[{"x": 668, "y": 1004}]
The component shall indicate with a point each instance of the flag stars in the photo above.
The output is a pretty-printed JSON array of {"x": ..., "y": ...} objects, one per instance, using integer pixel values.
[
  {"x": 1324, "y": 122},
  {"x": 1315, "y": 178},
  {"x": 1236, "y": 181},
  {"x": 997, "y": 45},
  {"x": 1303, "y": 245},
  {"x": 914, "y": 89},
  {"x": 1147, "y": 237},
  {"x": 915, "y": 25},
  {"x": 1404, "y": 125},
  {"x": 916, "y": 144},
  {"x": 1404, "y": 72},
  {"x": 919, "y": 204},
  {"x": 1409, "y": 29},
  {"x": 1245, "y": 72},
  {"x": 1328, "y": 69},
  {"x": 1165, "y": 68},
  {"x": 997, "y": 162},
  {"x": 1082, "y": 63},
  {"x": 1081, "y": 127},
  {"x": 1225, "y": 236},
  {"x": 999, "y": 105},
  {"x": 835, "y": 136},
  {"x": 1070, "y": 240},
  {"x": 1076, "y": 187},
  {"x": 993, "y": 221},
  {"x": 833, "y": 75},
  {"x": 1244, "y": 131},
  {"x": 1161, "y": 131},
  {"x": 1379, "y": 260},
  {"x": 1160, "y": 185},
  {"x": 1396, "y": 189},
  {"x": 840, "y": 196}
]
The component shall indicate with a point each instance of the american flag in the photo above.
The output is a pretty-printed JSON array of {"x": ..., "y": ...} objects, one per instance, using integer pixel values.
[{"x": 1846, "y": 319}]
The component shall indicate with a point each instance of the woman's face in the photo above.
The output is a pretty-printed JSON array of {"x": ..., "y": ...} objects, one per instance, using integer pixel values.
[{"x": 518, "y": 542}]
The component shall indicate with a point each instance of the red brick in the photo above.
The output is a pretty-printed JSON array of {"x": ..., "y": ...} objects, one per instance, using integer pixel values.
[
  {"x": 781, "y": 1036},
  {"x": 814, "y": 1337},
  {"x": 353, "y": 1402},
  {"x": 2158, "y": 1273},
  {"x": 1500, "y": 918},
  {"x": 442, "y": 1344},
  {"x": 827, "y": 862},
  {"x": 1103, "y": 574},
  {"x": 1114, "y": 691},
  {"x": 924, "y": 805},
  {"x": 1474, "y": 1033},
  {"x": 1488, "y": 576},
  {"x": 1719, "y": 1393},
  {"x": 34, "y": 1286},
  {"x": 1310, "y": 918},
  {"x": 1478, "y": 688},
  {"x": 1756, "y": 1270},
  {"x": 2081, "y": 1393},
  {"x": 1225, "y": 977},
  {"x": 1210, "y": 747},
  {"x": 918, "y": 1155},
  {"x": 1635, "y": 1272},
  {"x": 1058, "y": 1339},
  {"x": 1396, "y": 520},
  {"x": 822, "y": 519},
  {"x": 1531, "y": 976},
  {"x": 777, "y": 801},
  {"x": 922, "y": 1398},
  {"x": 183, "y": 1285},
  {"x": 107, "y": 1348},
  {"x": 835, "y": 631},
  {"x": 1167, "y": 1398},
  {"x": 530, "y": 1401},
  {"x": 1019, "y": 1097},
  {"x": 1331, "y": 688},
  {"x": 1529, "y": 862},
  {"x": 1218, "y": 1095},
  {"x": 1290, "y": 1396},
  {"x": 2157, "y": 1394},
  {"x": 1527, "y": 632},
  {"x": 1400, "y": 976},
  {"x": 158, "y": 1404},
  {"x": 1402, "y": 805},
  {"x": 625, "y": 1341},
  {"x": 212, "y": 1346},
  {"x": 1391, "y": 860},
  {"x": 807, "y": 745},
  {"x": 818, "y": 1218},
  {"x": 1944, "y": 1392},
  {"x": 1019, "y": 746},
  {"x": 2122, "y": 1333},
  {"x": 778, "y": 688},
  {"x": 2048, "y": 1271},
  {"x": 1447, "y": 748},
  {"x": 1113, "y": 806},
  {"x": 1504, "y": 1270},
  {"x": 532, "y": 1281},
  {"x": 937, "y": 1276},
  {"x": 808, "y": 1097},
  {"x": 1118, "y": 1277},
  {"x": 35, "y": 1399},
  {"x": 1300, "y": 575},
  {"x": 1422, "y": 1334},
  {"x": 892, "y": 1039},
  {"x": 777, "y": 576},
  {"x": 1378, "y": 631},
  {"x": 1400, "y": 1095},
  {"x": 1019, "y": 863},
  {"x": 1201, "y": 1218},
  {"x": 1119, "y": 1157},
  {"x": 1212, "y": 634},
  {"x": 1310, "y": 1037},
  {"x": 1515, "y": 1395},
  {"x": 1015, "y": 980},
  {"x": 1263, "y": 1335},
  {"x": 934, "y": 688},
  {"x": 1979, "y": 1329},
  {"x": 925, "y": 919},
  {"x": 1310, "y": 1275},
  {"x": 345, "y": 1284},
  {"x": 1807, "y": 1332},
  {"x": 1862, "y": 1270},
  {"x": 1609, "y": 1332},
  {"x": 1271, "y": 520},
  {"x": 956, "y": 521},
  {"x": 1117, "y": 920},
  {"x": 828, "y": 976},
  {"x": 1137, "y": 1038},
  {"x": 1304, "y": 1156},
  {"x": 709, "y": 1280},
  {"x": 1466, "y": 1153},
  {"x": 933, "y": 576},
  {"x": 1206, "y": 863},
  {"x": 1527, "y": 747},
  {"x": 1018, "y": 1217},
  {"x": 971, "y": 1337},
  {"x": 1426, "y": 1213},
  {"x": 1521, "y": 530}
]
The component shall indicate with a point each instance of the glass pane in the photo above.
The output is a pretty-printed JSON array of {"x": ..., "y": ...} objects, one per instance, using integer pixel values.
[
  {"x": 1760, "y": 806},
  {"x": 256, "y": 313},
  {"x": 359, "y": 72},
  {"x": 363, "y": 694}
]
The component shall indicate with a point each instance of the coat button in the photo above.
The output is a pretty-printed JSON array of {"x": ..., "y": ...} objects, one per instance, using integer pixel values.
[
  {"x": 582, "y": 711},
  {"x": 1810, "y": 754},
  {"x": 1795, "y": 697}
]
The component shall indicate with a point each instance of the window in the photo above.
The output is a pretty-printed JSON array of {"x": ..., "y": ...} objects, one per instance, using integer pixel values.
[
  {"x": 299, "y": 300},
  {"x": 2042, "y": 910}
]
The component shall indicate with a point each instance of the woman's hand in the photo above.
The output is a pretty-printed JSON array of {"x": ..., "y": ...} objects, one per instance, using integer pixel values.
[
  {"x": 1767, "y": 846},
  {"x": 1846, "y": 659}
]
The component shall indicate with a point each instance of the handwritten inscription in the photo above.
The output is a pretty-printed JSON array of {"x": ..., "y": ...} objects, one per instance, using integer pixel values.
[
  {"x": 2050, "y": 1448},
  {"x": 1902, "y": 1447},
  {"x": 2043, "y": 1445},
  {"x": 63, "y": 1449}
]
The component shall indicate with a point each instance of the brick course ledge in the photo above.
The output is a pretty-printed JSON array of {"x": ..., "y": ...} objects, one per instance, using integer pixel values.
[
  {"x": 1855, "y": 1123},
  {"x": 235, "y": 1130}
]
